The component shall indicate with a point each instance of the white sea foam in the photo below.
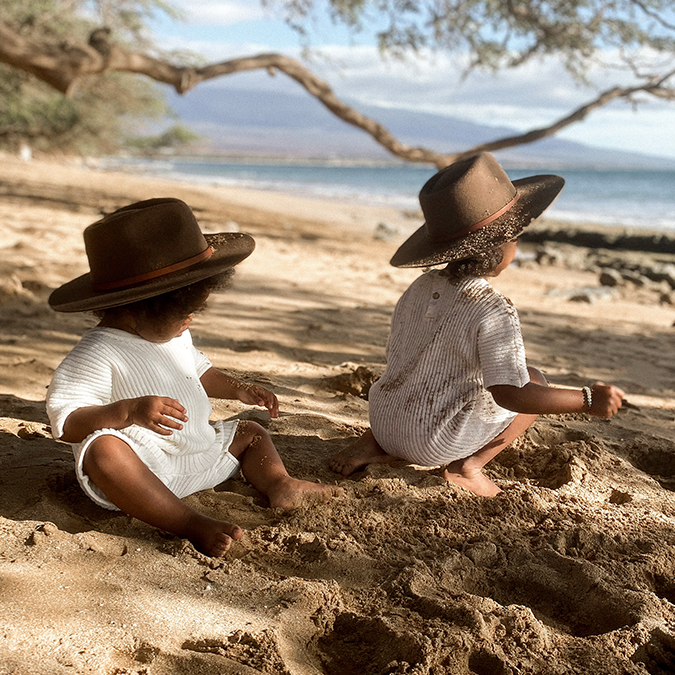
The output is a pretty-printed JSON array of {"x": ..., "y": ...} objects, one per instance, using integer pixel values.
[{"x": 635, "y": 199}]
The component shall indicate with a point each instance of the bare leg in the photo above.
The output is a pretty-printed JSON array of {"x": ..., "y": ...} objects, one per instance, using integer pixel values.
[
  {"x": 128, "y": 483},
  {"x": 263, "y": 468},
  {"x": 468, "y": 472},
  {"x": 365, "y": 450}
]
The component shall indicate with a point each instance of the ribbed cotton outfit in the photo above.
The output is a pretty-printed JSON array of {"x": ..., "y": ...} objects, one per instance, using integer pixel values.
[
  {"x": 448, "y": 343},
  {"x": 109, "y": 365}
]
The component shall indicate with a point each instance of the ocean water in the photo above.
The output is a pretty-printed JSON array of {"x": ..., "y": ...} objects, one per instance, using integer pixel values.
[{"x": 636, "y": 199}]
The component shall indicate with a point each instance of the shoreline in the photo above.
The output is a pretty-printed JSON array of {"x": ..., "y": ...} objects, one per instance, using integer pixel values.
[
  {"x": 406, "y": 199},
  {"x": 582, "y": 232},
  {"x": 15, "y": 184}
]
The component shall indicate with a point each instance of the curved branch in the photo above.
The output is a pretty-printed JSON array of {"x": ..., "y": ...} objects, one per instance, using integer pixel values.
[
  {"x": 322, "y": 91},
  {"x": 61, "y": 66},
  {"x": 656, "y": 87},
  {"x": 653, "y": 15}
]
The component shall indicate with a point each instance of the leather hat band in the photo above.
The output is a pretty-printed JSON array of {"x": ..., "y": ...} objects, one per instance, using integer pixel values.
[{"x": 153, "y": 274}]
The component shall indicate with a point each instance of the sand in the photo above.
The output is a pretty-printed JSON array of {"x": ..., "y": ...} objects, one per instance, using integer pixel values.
[{"x": 569, "y": 570}]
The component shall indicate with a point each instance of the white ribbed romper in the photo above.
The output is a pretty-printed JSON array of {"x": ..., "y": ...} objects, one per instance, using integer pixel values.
[
  {"x": 448, "y": 343},
  {"x": 109, "y": 365}
]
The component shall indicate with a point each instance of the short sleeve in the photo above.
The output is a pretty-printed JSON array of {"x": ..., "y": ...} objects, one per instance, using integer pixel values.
[
  {"x": 202, "y": 362},
  {"x": 500, "y": 346},
  {"x": 83, "y": 379}
]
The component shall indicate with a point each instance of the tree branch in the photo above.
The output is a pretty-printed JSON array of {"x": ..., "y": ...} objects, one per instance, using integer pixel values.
[
  {"x": 654, "y": 15},
  {"x": 61, "y": 66},
  {"x": 656, "y": 87}
]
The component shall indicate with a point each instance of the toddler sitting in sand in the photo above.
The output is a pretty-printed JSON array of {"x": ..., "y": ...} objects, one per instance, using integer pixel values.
[
  {"x": 133, "y": 396},
  {"x": 457, "y": 390}
]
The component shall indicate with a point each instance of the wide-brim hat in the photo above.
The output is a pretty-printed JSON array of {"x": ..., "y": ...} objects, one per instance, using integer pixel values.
[
  {"x": 470, "y": 207},
  {"x": 146, "y": 249}
]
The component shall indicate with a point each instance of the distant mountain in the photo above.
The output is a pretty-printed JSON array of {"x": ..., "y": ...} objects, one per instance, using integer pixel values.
[{"x": 251, "y": 122}]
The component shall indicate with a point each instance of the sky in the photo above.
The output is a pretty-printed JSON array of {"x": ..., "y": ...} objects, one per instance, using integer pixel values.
[{"x": 534, "y": 95}]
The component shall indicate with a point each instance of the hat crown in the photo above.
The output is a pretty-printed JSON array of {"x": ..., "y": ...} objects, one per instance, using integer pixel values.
[
  {"x": 142, "y": 239},
  {"x": 463, "y": 196},
  {"x": 472, "y": 206}
]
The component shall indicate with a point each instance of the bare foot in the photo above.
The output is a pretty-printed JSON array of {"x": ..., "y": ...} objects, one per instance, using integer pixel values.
[
  {"x": 365, "y": 450},
  {"x": 291, "y": 493},
  {"x": 211, "y": 537},
  {"x": 473, "y": 480}
]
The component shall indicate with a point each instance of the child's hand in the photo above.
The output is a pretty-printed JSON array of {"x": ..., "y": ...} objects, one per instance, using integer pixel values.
[
  {"x": 252, "y": 394},
  {"x": 157, "y": 413},
  {"x": 218, "y": 385},
  {"x": 606, "y": 399}
]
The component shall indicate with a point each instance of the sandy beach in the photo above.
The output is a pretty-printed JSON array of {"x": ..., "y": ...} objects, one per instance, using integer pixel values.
[{"x": 569, "y": 570}]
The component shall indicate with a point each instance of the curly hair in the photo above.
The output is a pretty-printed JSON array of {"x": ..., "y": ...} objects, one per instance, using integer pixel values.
[
  {"x": 173, "y": 305},
  {"x": 478, "y": 265}
]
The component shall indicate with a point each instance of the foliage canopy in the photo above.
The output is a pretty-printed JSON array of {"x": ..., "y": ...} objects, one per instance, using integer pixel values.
[
  {"x": 502, "y": 33},
  {"x": 99, "y": 115}
]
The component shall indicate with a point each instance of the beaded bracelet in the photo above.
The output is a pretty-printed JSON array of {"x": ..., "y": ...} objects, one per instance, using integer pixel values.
[{"x": 588, "y": 396}]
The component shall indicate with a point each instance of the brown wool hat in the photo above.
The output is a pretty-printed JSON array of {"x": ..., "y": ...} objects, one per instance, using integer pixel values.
[
  {"x": 470, "y": 207},
  {"x": 146, "y": 249}
]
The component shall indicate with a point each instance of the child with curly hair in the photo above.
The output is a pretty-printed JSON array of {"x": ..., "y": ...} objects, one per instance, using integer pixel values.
[
  {"x": 457, "y": 389},
  {"x": 132, "y": 397}
]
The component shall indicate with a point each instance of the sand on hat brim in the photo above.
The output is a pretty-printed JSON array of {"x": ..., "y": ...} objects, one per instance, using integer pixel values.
[
  {"x": 229, "y": 249},
  {"x": 535, "y": 194}
]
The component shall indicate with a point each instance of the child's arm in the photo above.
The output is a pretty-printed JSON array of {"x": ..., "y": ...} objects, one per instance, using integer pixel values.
[
  {"x": 218, "y": 385},
  {"x": 152, "y": 412},
  {"x": 538, "y": 399}
]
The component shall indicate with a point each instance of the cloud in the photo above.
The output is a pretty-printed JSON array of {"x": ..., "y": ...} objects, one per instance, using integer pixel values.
[
  {"x": 535, "y": 94},
  {"x": 435, "y": 84},
  {"x": 212, "y": 51},
  {"x": 220, "y": 12}
]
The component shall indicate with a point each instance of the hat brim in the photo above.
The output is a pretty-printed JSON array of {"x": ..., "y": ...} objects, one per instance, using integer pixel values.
[
  {"x": 535, "y": 194},
  {"x": 229, "y": 249}
]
